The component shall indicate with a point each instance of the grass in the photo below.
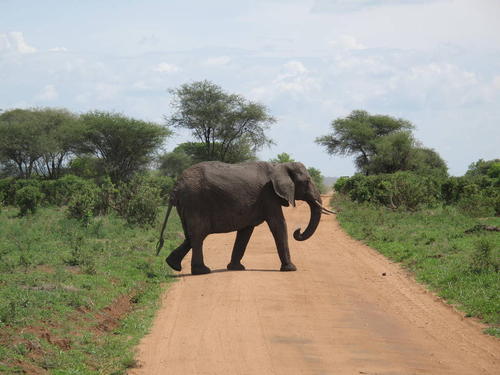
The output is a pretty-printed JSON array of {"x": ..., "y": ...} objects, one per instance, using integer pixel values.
[
  {"x": 461, "y": 267},
  {"x": 76, "y": 299}
]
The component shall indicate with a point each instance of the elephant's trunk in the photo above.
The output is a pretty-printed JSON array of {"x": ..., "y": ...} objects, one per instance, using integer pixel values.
[{"x": 316, "y": 211}]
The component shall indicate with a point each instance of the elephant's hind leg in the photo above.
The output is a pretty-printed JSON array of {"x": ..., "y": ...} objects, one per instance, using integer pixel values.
[
  {"x": 175, "y": 258},
  {"x": 239, "y": 248},
  {"x": 198, "y": 266}
]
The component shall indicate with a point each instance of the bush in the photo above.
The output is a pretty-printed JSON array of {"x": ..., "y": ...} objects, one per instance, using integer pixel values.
[
  {"x": 83, "y": 203},
  {"x": 7, "y": 190},
  {"x": 481, "y": 259},
  {"x": 28, "y": 199},
  {"x": 59, "y": 192},
  {"x": 106, "y": 197},
  {"x": 340, "y": 185},
  {"x": 138, "y": 201},
  {"x": 405, "y": 190}
]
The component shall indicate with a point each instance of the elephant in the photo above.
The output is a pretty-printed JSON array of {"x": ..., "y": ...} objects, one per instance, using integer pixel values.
[{"x": 215, "y": 197}]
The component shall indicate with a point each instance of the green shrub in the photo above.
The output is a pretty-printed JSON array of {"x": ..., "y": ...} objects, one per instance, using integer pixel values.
[
  {"x": 339, "y": 185},
  {"x": 28, "y": 199},
  {"x": 405, "y": 190},
  {"x": 481, "y": 259},
  {"x": 8, "y": 191},
  {"x": 83, "y": 203},
  {"x": 59, "y": 192},
  {"x": 138, "y": 201},
  {"x": 142, "y": 207},
  {"x": 106, "y": 197}
]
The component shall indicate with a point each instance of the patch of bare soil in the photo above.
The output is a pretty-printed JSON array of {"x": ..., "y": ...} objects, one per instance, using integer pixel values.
[{"x": 347, "y": 310}]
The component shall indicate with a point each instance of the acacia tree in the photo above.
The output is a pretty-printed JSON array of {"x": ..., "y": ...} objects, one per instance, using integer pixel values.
[
  {"x": 62, "y": 132},
  {"x": 224, "y": 123},
  {"x": 21, "y": 140},
  {"x": 380, "y": 144},
  {"x": 122, "y": 144}
]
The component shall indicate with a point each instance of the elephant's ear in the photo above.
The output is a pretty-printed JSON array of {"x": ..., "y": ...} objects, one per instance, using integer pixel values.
[{"x": 283, "y": 184}]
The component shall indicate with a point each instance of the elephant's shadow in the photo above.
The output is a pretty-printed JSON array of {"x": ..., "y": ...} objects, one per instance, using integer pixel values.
[{"x": 181, "y": 275}]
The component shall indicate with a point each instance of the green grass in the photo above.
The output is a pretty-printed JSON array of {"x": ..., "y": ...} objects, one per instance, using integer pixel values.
[
  {"x": 60, "y": 284},
  {"x": 461, "y": 267}
]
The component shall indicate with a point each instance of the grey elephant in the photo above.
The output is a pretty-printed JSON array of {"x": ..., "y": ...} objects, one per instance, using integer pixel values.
[{"x": 214, "y": 197}]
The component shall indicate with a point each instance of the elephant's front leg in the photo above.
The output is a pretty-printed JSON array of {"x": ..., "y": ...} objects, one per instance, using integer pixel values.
[
  {"x": 239, "y": 248},
  {"x": 277, "y": 225}
]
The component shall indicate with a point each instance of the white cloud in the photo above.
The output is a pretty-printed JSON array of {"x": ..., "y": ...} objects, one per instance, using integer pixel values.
[
  {"x": 58, "y": 49},
  {"x": 48, "y": 93},
  {"x": 294, "y": 79},
  {"x": 217, "y": 61},
  {"x": 330, "y": 6},
  {"x": 496, "y": 82},
  {"x": 166, "y": 68},
  {"x": 346, "y": 42},
  {"x": 14, "y": 41}
]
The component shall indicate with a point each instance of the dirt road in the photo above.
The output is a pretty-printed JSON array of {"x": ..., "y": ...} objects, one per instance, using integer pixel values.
[{"x": 338, "y": 314}]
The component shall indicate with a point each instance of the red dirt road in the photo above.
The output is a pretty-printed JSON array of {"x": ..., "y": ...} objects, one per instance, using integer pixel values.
[{"x": 337, "y": 314}]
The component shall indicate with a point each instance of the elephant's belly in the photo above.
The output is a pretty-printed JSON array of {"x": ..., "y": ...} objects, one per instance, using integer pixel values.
[{"x": 224, "y": 222}]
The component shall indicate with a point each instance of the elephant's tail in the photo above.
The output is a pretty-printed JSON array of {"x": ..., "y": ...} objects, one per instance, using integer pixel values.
[{"x": 159, "y": 245}]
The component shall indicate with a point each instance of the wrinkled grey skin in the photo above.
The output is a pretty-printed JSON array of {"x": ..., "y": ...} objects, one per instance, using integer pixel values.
[{"x": 214, "y": 197}]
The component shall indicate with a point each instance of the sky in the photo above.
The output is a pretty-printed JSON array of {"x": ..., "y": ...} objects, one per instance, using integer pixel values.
[{"x": 435, "y": 63}]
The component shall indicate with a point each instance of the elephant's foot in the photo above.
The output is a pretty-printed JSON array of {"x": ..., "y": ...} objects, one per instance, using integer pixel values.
[
  {"x": 173, "y": 262},
  {"x": 288, "y": 267},
  {"x": 199, "y": 270},
  {"x": 235, "y": 267}
]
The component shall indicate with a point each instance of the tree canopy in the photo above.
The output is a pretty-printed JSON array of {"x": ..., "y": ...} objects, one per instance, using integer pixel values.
[
  {"x": 38, "y": 140},
  {"x": 124, "y": 145},
  {"x": 227, "y": 125},
  {"x": 380, "y": 144}
]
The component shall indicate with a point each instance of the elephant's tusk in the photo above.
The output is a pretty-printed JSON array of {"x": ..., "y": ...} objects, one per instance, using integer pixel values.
[{"x": 323, "y": 209}]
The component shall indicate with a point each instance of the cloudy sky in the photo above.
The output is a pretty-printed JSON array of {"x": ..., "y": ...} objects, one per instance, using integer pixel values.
[{"x": 433, "y": 62}]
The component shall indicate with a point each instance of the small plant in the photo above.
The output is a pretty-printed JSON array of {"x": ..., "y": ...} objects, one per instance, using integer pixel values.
[
  {"x": 481, "y": 259},
  {"x": 28, "y": 198},
  {"x": 81, "y": 206}
]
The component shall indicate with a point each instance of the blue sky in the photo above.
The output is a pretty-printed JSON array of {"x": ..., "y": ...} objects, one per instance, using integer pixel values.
[{"x": 433, "y": 62}]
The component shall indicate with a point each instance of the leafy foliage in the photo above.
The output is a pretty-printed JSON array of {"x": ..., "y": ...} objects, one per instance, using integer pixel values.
[
  {"x": 123, "y": 144},
  {"x": 224, "y": 124},
  {"x": 381, "y": 144},
  {"x": 282, "y": 158},
  {"x": 83, "y": 202},
  {"x": 138, "y": 201},
  {"x": 28, "y": 199}
]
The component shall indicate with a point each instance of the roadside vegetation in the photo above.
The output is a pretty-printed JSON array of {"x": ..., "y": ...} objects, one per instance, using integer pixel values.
[
  {"x": 76, "y": 298},
  {"x": 446, "y": 230}
]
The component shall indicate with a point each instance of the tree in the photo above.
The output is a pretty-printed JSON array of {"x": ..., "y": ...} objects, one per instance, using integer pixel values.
[
  {"x": 282, "y": 158},
  {"x": 381, "y": 144},
  {"x": 224, "y": 123},
  {"x": 21, "y": 140},
  {"x": 483, "y": 168},
  {"x": 62, "y": 132},
  {"x": 173, "y": 163},
  {"x": 124, "y": 145}
]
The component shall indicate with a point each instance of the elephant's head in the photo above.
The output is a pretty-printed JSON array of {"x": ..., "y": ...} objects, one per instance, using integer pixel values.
[{"x": 291, "y": 182}]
